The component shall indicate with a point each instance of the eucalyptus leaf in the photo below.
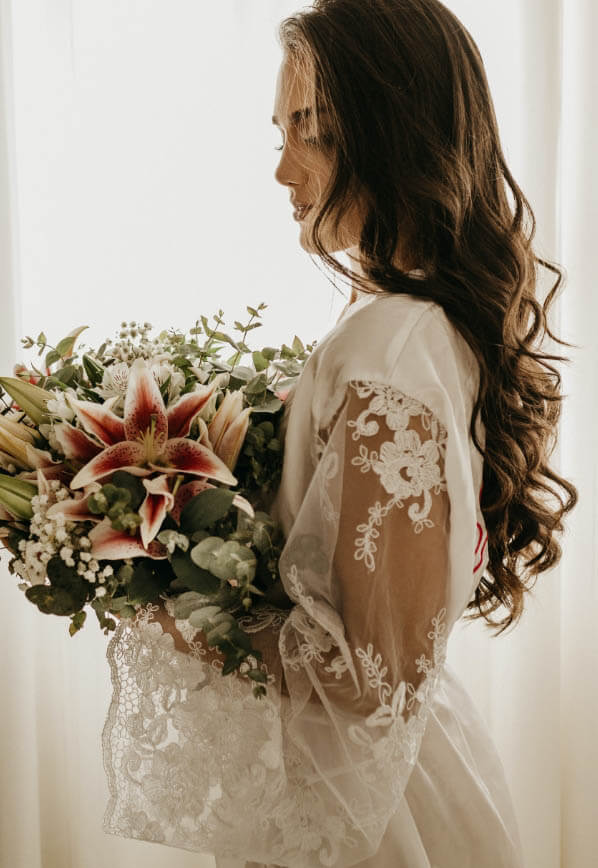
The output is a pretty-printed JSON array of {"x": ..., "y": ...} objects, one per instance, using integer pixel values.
[
  {"x": 201, "y": 617},
  {"x": 188, "y": 602},
  {"x": 271, "y": 406},
  {"x": 225, "y": 559},
  {"x": 146, "y": 584},
  {"x": 205, "y": 508},
  {"x": 260, "y": 361},
  {"x": 241, "y": 372},
  {"x": 194, "y": 577}
]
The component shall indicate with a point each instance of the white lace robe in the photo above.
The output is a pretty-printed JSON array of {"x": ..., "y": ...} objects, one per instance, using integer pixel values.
[{"x": 376, "y": 756}]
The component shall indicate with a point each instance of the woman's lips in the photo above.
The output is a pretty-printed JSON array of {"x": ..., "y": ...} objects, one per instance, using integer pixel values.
[{"x": 300, "y": 211}]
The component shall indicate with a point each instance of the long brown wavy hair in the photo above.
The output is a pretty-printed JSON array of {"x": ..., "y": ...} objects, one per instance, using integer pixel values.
[{"x": 411, "y": 128}]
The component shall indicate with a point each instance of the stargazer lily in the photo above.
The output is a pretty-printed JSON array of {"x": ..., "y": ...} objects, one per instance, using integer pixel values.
[{"x": 149, "y": 438}]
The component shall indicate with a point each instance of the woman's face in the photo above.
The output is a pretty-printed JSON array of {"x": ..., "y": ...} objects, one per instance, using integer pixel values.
[{"x": 306, "y": 162}]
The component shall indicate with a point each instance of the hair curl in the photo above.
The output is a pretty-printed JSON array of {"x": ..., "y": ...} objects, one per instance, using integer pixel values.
[{"x": 414, "y": 132}]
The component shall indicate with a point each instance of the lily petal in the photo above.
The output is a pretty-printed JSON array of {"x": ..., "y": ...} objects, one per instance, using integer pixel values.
[
  {"x": 187, "y": 456},
  {"x": 182, "y": 414},
  {"x": 158, "y": 501},
  {"x": 17, "y": 449},
  {"x": 143, "y": 402},
  {"x": 241, "y": 503},
  {"x": 76, "y": 443},
  {"x": 204, "y": 438},
  {"x": 98, "y": 420},
  {"x": 109, "y": 544},
  {"x": 229, "y": 408},
  {"x": 18, "y": 429},
  {"x": 185, "y": 493},
  {"x": 231, "y": 441},
  {"x": 38, "y": 457},
  {"x": 122, "y": 456},
  {"x": 42, "y": 483},
  {"x": 74, "y": 509},
  {"x": 51, "y": 471}
]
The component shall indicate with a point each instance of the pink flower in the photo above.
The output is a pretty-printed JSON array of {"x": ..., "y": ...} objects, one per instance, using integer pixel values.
[{"x": 149, "y": 438}]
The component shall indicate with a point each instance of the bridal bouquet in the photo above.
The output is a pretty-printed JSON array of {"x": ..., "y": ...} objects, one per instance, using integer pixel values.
[{"x": 147, "y": 467}]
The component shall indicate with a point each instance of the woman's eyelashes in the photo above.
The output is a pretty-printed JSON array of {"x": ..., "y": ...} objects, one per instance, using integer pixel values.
[{"x": 313, "y": 142}]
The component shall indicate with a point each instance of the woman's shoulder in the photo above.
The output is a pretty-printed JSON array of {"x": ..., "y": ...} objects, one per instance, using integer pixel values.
[
  {"x": 393, "y": 338},
  {"x": 373, "y": 331}
]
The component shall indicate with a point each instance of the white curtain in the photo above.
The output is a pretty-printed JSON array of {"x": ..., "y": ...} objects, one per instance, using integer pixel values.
[{"x": 136, "y": 182}]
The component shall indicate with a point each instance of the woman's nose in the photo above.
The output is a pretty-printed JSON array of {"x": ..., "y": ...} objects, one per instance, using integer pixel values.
[{"x": 287, "y": 171}]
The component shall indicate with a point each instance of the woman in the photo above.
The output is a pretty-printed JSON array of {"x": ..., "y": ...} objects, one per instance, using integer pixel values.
[{"x": 416, "y": 458}]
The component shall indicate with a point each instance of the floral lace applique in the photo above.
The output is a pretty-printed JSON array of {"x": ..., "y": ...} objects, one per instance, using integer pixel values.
[{"x": 422, "y": 461}]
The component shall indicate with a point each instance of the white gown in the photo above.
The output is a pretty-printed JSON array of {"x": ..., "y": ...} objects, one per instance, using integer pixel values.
[{"x": 377, "y": 756}]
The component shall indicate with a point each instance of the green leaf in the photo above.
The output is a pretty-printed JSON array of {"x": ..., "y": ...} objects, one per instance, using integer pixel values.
[
  {"x": 165, "y": 387},
  {"x": 257, "y": 675},
  {"x": 146, "y": 584},
  {"x": 201, "y": 617},
  {"x": 51, "y": 358},
  {"x": 53, "y": 601},
  {"x": 271, "y": 406},
  {"x": 269, "y": 353},
  {"x": 65, "y": 347},
  {"x": 256, "y": 385},
  {"x": 93, "y": 369},
  {"x": 260, "y": 361},
  {"x": 205, "y": 508},
  {"x": 118, "y": 603},
  {"x": 252, "y": 311},
  {"x": 194, "y": 577},
  {"x": 133, "y": 485},
  {"x": 229, "y": 666},
  {"x": 226, "y": 560},
  {"x": 243, "y": 373},
  {"x": 77, "y": 620},
  {"x": 297, "y": 345},
  {"x": 186, "y": 603},
  {"x": 66, "y": 374}
]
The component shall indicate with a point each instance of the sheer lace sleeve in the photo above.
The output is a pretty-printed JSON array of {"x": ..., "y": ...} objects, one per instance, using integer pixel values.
[{"x": 195, "y": 761}]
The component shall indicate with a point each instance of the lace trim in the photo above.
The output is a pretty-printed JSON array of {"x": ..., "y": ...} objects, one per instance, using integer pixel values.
[
  {"x": 423, "y": 462},
  {"x": 195, "y": 761}
]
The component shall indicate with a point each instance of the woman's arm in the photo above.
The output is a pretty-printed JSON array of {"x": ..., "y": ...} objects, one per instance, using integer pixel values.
[{"x": 265, "y": 640}]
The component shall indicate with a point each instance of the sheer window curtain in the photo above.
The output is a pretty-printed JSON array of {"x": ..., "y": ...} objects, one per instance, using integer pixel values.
[{"x": 129, "y": 188}]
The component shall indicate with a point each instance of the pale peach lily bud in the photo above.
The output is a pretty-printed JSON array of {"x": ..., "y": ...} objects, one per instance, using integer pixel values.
[
  {"x": 232, "y": 440},
  {"x": 204, "y": 437},
  {"x": 228, "y": 410}
]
